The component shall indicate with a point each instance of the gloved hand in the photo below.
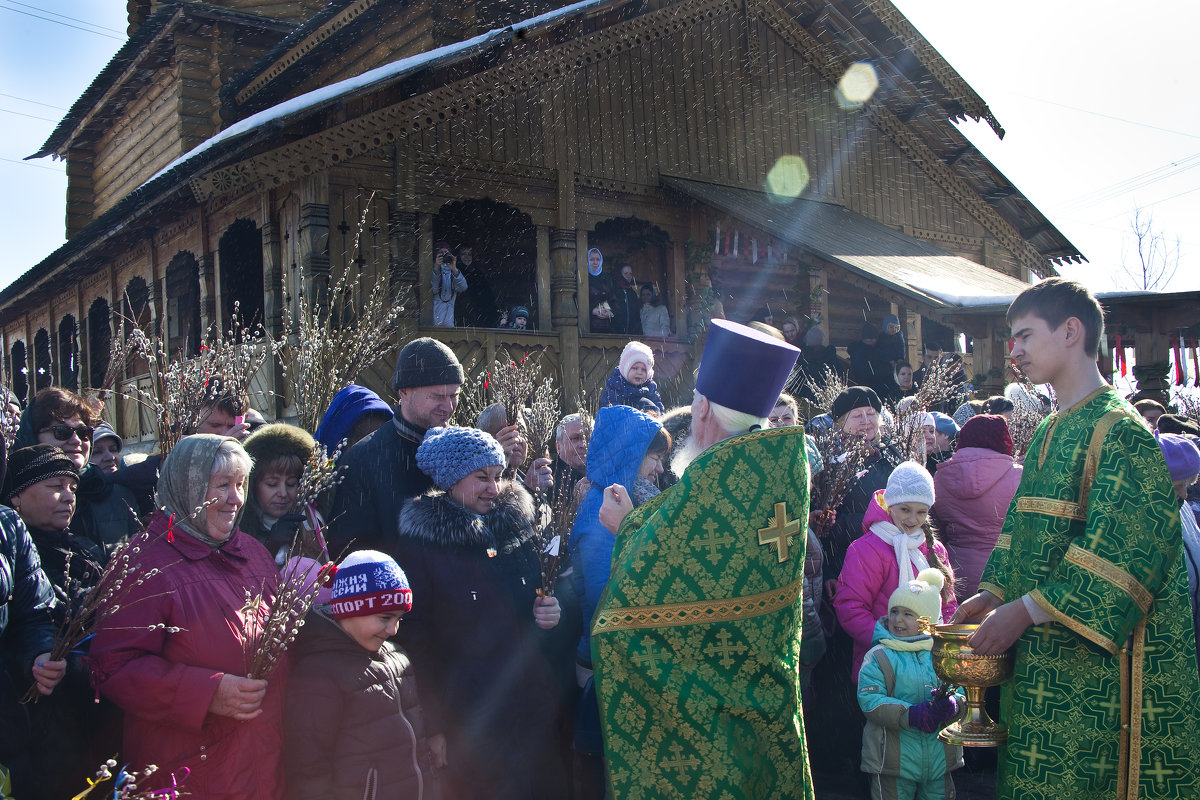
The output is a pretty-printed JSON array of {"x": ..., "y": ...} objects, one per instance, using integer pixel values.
[
  {"x": 284, "y": 531},
  {"x": 932, "y": 715}
]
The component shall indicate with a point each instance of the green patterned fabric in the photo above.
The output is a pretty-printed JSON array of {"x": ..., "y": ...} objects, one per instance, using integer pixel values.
[
  {"x": 1094, "y": 535},
  {"x": 696, "y": 640}
]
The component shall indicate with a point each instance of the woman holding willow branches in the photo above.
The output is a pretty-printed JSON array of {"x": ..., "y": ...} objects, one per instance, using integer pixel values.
[
  {"x": 26, "y": 638},
  {"x": 477, "y": 633},
  {"x": 172, "y": 655},
  {"x": 70, "y": 732}
]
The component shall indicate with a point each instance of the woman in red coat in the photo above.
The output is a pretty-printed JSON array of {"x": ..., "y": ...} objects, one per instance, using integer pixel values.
[{"x": 173, "y": 655}]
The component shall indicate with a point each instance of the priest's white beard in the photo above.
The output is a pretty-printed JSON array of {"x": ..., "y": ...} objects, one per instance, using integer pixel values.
[{"x": 685, "y": 455}]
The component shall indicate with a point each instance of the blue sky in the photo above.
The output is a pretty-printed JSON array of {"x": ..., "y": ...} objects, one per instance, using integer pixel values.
[{"x": 1099, "y": 105}]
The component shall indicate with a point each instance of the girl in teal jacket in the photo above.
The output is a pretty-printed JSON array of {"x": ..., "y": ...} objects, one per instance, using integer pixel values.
[{"x": 897, "y": 690}]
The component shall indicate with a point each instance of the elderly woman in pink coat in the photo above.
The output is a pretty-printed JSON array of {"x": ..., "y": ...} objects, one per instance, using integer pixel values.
[{"x": 974, "y": 490}]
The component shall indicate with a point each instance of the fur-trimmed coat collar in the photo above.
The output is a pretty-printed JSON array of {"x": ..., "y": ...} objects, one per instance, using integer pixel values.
[{"x": 434, "y": 518}]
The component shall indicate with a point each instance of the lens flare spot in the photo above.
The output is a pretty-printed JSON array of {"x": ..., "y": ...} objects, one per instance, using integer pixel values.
[
  {"x": 857, "y": 86},
  {"x": 787, "y": 178}
]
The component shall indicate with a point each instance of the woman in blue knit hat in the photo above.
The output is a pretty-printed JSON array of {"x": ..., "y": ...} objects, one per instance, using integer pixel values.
[{"x": 476, "y": 630}]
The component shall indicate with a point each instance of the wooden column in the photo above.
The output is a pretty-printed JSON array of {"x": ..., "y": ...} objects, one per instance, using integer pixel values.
[
  {"x": 425, "y": 266},
  {"x": 912, "y": 335},
  {"x": 402, "y": 241},
  {"x": 544, "y": 271},
  {"x": 564, "y": 257},
  {"x": 313, "y": 232}
]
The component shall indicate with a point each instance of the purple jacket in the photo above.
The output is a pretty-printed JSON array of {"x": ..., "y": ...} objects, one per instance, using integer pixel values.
[
  {"x": 165, "y": 681},
  {"x": 869, "y": 576},
  {"x": 974, "y": 489}
]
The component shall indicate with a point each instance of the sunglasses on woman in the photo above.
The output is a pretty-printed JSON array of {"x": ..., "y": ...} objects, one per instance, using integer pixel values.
[{"x": 62, "y": 432}]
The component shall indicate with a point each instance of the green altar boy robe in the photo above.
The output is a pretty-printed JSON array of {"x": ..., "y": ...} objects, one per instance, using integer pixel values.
[
  {"x": 696, "y": 640},
  {"x": 1105, "y": 699}
]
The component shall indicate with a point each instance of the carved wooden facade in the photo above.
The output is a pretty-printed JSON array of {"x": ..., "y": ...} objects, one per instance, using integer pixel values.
[{"x": 574, "y": 122}]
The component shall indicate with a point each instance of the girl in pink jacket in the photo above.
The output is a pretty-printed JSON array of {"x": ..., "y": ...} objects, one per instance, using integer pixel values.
[{"x": 897, "y": 543}]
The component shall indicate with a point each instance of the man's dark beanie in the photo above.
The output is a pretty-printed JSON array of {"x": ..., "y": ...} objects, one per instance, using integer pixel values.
[
  {"x": 855, "y": 397},
  {"x": 426, "y": 362}
]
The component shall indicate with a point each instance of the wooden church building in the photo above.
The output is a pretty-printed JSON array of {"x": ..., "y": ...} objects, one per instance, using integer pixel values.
[{"x": 796, "y": 155}]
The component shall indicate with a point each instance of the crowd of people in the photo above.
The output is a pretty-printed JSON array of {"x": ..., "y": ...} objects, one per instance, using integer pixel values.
[{"x": 709, "y": 616}]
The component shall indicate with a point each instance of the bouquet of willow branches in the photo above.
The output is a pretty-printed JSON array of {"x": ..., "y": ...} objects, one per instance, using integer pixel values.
[
  {"x": 942, "y": 383},
  {"x": 181, "y": 388},
  {"x": 1188, "y": 405},
  {"x": 826, "y": 388},
  {"x": 321, "y": 474},
  {"x": 473, "y": 395},
  {"x": 1026, "y": 414},
  {"x": 10, "y": 423},
  {"x": 271, "y": 624},
  {"x": 121, "y": 575},
  {"x": 908, "y": 432},
  {"x": 844, "y": 456},
  {"x": 513, "y": 383},
  {"x": 125, "y": 783},
  {"x": 335, "y": 338}
]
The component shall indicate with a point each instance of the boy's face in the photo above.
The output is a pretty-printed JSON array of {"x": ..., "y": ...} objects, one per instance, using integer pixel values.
[
  {"x": 893, "y": 329},
  {"x": 1038, "y": 351},
  {"x": 372, "y": 630},
  {"x": 903, "y": 622},
  {"x": 782, "y": 416},
  {"x": 909, "y": 517},
  {"x": 638, "y": 373}
]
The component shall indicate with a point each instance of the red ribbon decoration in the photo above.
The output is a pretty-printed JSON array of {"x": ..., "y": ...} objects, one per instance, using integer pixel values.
[
  {"x": 1120, "y": 357},
  {"x": 171, "y": 529},
  {"x": 1179, "y": 373}
]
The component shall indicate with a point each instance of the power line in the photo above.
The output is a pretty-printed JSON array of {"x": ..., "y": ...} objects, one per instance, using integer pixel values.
[
  {"x": 31, "y": 116},
  {"x": 35, "y": 102},
  {"x": 64, "y": 16},
  {"x": 1103, "y": 116},
  {"x": 66, "y": 24},
  {"x": 29, "y": 164},
  {"x": 1135, "y": 182}
]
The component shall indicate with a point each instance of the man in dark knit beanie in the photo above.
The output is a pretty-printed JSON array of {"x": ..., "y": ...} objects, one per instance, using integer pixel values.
[{"x": 381, "y": 471}]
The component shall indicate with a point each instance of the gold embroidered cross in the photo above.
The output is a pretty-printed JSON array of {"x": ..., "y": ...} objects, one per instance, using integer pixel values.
[{"x": 780, "y": 530}]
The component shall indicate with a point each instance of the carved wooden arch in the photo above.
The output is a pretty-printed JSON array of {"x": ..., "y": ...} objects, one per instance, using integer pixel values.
[
  {"x": 19, "y": 369},
  {"x": 99, "y": 341},
  {"x": 68, "y": 353}
]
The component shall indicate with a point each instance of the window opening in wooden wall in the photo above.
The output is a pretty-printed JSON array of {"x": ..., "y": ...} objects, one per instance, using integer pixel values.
[{"x": 68, "y": 353}]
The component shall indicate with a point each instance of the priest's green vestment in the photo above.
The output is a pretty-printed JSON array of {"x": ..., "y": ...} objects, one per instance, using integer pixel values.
[
  {"x": 1105, "y": 700},
  {"x": 695, "y": 643}
]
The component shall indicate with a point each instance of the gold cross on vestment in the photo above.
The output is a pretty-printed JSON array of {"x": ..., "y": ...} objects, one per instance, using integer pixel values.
[{"x": 780, "y": 530}]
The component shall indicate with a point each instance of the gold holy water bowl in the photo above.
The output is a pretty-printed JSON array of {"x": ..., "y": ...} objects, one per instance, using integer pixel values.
[{"x": 955, "y": 662}]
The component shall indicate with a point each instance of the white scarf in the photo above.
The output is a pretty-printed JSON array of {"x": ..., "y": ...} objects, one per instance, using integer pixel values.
[{"x": 907, "y": 547}]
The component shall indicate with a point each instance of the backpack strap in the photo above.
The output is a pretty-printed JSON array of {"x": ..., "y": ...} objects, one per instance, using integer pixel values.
[{"x": 885, "y": 666}]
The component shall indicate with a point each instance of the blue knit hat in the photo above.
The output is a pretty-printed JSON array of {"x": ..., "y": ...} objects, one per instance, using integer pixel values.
[
  {"x": 450, "y": 454},
  {"x": 944, "y": 424},
  {"x": 369, "y": 582}
]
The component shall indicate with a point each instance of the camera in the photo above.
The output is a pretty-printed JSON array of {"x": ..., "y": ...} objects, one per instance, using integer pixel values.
[{"x": 447, "y": 258}]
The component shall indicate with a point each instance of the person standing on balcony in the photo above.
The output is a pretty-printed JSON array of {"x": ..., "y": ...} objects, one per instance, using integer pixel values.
[{"x": 448, "y": 284}]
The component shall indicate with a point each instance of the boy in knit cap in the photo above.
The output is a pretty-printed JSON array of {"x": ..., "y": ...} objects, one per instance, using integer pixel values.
[
  {"x": 354, "y": 726},
  {"x": 632, "y": 381},
  {"x": 898, "y": 692}
]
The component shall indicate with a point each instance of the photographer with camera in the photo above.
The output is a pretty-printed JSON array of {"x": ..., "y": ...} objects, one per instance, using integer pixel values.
[{"x": 448, "y": 284}]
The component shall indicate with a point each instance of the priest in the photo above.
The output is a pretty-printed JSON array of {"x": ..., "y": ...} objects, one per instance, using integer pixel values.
[{"x": 696, "y": 639}]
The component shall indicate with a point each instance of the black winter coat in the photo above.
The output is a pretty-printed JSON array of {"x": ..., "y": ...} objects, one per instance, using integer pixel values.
[
  {"x": 73, "y": 730},
  {"x": 26, "y": 631},
  {"x": 381, "y": 472},
  {"x": 105, "y": 512},
  {"x": 353, "y": 723},
  {"x": 471, "y": 630},
  {"x": 848, "y": 525}
]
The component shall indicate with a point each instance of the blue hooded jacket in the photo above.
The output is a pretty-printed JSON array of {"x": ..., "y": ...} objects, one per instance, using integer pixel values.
[
  {"x": 618, "y": 445},
  {"x": 344, "y": 410}
]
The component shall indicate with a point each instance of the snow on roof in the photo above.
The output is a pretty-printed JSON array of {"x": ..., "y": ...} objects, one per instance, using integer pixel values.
[
  {"x": 388, "y": 72},
  {"x": 952, "y": 290}
]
